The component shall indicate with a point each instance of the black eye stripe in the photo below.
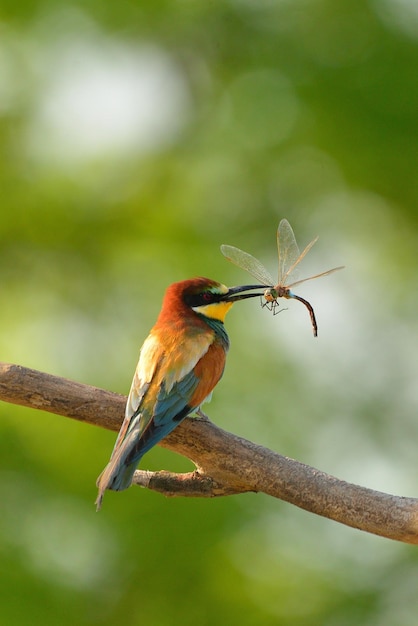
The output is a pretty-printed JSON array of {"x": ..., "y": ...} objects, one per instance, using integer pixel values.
[{"x": 200, "y": 299}]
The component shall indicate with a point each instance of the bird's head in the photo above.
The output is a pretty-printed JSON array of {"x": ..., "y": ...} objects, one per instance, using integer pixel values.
[{"x": 208, "y": 297}]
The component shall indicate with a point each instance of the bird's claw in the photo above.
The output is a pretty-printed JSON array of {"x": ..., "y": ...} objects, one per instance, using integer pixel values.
[{"x": 202, "y": 415}]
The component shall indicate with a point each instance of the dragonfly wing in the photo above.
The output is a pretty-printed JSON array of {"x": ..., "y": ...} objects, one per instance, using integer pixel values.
[
  {"x": 248, "y": 263},
  {"x": 299, "y": 282},
  {"x": 287, "y": 249},
  {"x": 289, "y": 255}
]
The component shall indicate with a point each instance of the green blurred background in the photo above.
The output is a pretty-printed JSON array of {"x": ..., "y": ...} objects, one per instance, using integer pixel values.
[{"x": 135, "y": 138}]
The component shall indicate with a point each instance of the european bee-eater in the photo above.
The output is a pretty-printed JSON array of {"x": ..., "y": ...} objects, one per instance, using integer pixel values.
[{"x": 180, "y": 363}]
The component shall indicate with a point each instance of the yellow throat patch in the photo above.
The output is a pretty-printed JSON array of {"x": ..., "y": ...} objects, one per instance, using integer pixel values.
[{"x": 215, "y": 311}]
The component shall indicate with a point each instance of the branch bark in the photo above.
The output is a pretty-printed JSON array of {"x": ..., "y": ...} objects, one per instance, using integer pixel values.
[{"x": 225, "y": 463}]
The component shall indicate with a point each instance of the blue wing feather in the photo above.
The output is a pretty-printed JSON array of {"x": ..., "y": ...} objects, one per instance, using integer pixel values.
[
  {"x": 140, "y": 432},
  {"x": 169, "y": 410}
]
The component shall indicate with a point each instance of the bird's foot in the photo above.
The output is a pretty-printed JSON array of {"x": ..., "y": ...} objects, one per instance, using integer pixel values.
[{"x": 202, "y": 415}]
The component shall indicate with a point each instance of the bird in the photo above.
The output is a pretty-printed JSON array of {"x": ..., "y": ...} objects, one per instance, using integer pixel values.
[{"x": 180, "y": 363}]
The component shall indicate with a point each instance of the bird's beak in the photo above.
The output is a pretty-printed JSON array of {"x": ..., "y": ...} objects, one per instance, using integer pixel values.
[{"x": 235, "y": 293}]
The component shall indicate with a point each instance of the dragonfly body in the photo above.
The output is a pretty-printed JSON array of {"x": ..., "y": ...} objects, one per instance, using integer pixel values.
[
  {"x": 273, "y": 293},
  {"x": 289, "y": 258}
]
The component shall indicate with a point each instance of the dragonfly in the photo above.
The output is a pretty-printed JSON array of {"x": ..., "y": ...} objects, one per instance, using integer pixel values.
[{"x": 289, "y": 259}]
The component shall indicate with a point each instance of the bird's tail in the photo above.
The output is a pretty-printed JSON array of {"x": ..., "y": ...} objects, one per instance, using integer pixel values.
[
  {"x": 118, "y": 473},
  {"x": 114, "y": 478}
]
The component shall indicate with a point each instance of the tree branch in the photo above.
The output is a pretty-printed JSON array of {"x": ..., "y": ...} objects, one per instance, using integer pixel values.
[{"x": 225, "y": 463}]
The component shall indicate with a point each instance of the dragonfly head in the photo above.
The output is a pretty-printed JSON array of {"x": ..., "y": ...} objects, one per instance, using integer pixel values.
[{"x": 271, "y": 294}]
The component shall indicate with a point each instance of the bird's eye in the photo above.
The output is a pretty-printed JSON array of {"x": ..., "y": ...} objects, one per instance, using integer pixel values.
[{"x": 200, "y": 299}]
